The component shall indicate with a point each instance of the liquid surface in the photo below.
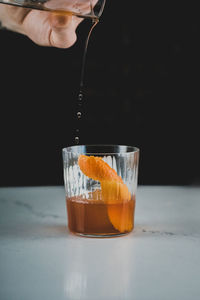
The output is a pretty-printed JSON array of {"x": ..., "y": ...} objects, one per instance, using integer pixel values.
[{"x": 94, "y": 217}]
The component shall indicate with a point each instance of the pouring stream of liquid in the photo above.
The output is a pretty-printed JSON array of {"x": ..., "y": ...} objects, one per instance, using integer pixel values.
[{"x": 81, "y": 94}]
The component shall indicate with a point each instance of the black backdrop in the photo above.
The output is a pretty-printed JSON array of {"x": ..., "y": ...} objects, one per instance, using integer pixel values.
[{"x": 141, "y": 89}]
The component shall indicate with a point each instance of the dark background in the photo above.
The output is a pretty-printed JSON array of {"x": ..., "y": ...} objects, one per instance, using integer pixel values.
[{"x": 141, "y": 89}]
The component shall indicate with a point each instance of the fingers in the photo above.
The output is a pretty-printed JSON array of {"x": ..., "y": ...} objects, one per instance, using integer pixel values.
[
  {"x": 63, "y": 30},
  {"x": 12, "y": 17},
  {"x": 51, "y": 29},
  {"x": 43, "y": 28}
]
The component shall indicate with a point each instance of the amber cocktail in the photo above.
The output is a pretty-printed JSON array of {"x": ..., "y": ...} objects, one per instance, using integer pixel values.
[{"x": 100, "y": 184}]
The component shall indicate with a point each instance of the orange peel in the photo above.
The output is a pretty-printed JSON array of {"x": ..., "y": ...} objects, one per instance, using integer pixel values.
[
  {"x": 114, "y": 190},
  {"x": 97, "y": 169},
  {"x": 121, "y": 217}
]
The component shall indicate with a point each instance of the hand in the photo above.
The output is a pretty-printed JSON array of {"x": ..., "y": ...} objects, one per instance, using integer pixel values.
[{"x": 43, "y": 28}]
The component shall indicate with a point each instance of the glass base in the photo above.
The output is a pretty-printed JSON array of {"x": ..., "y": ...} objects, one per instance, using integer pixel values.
[{"x": 99, "y": 235}]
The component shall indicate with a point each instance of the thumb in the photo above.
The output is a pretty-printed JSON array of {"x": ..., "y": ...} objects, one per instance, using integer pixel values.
[{"x": 63, "y": 30}]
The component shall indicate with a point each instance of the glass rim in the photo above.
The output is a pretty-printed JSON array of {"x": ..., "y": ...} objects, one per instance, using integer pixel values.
[
  {"x": 102, "y": 8},
  {"x": 125, "y": 149}
]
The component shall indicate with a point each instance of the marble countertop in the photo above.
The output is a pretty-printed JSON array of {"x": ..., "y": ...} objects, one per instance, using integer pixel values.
[{"x": 40, "y": 259}]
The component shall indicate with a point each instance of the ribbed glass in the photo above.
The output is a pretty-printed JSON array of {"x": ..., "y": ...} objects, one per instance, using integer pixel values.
[{"x": 81, "y": 189}]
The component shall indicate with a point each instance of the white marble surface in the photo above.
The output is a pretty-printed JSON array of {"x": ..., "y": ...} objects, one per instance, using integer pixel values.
[{"x": 40, "y": 259}]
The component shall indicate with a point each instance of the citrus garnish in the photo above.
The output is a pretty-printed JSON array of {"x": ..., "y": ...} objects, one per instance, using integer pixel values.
[
  {"x": 114, "y": 190},
  {"x": 97, "y": 169}
]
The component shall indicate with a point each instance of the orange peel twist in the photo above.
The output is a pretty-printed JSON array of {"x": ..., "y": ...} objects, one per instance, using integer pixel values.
[{"x": 114, "y": 190}]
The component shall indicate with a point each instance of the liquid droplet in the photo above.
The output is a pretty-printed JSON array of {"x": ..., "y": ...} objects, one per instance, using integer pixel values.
[
  {"x": 76, "y": 140},
  {"x": 79, "y": 115},
  {"x": 80, "y": 96}
]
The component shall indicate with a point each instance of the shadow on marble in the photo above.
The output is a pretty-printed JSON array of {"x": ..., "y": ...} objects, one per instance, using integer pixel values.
[
  {"x": 34, "y": 231},
  {"x": 58, "y": 230}
]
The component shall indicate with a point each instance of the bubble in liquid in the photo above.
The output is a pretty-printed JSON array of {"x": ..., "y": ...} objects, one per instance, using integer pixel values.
[
  {"x": 76, "y": 140},
  {"x": 78, "y": 114}
]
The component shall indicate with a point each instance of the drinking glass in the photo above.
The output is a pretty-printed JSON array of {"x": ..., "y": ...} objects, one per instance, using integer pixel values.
[
  {"x": 81, "y": 8},
  {"x": 100, "y": 185}
]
